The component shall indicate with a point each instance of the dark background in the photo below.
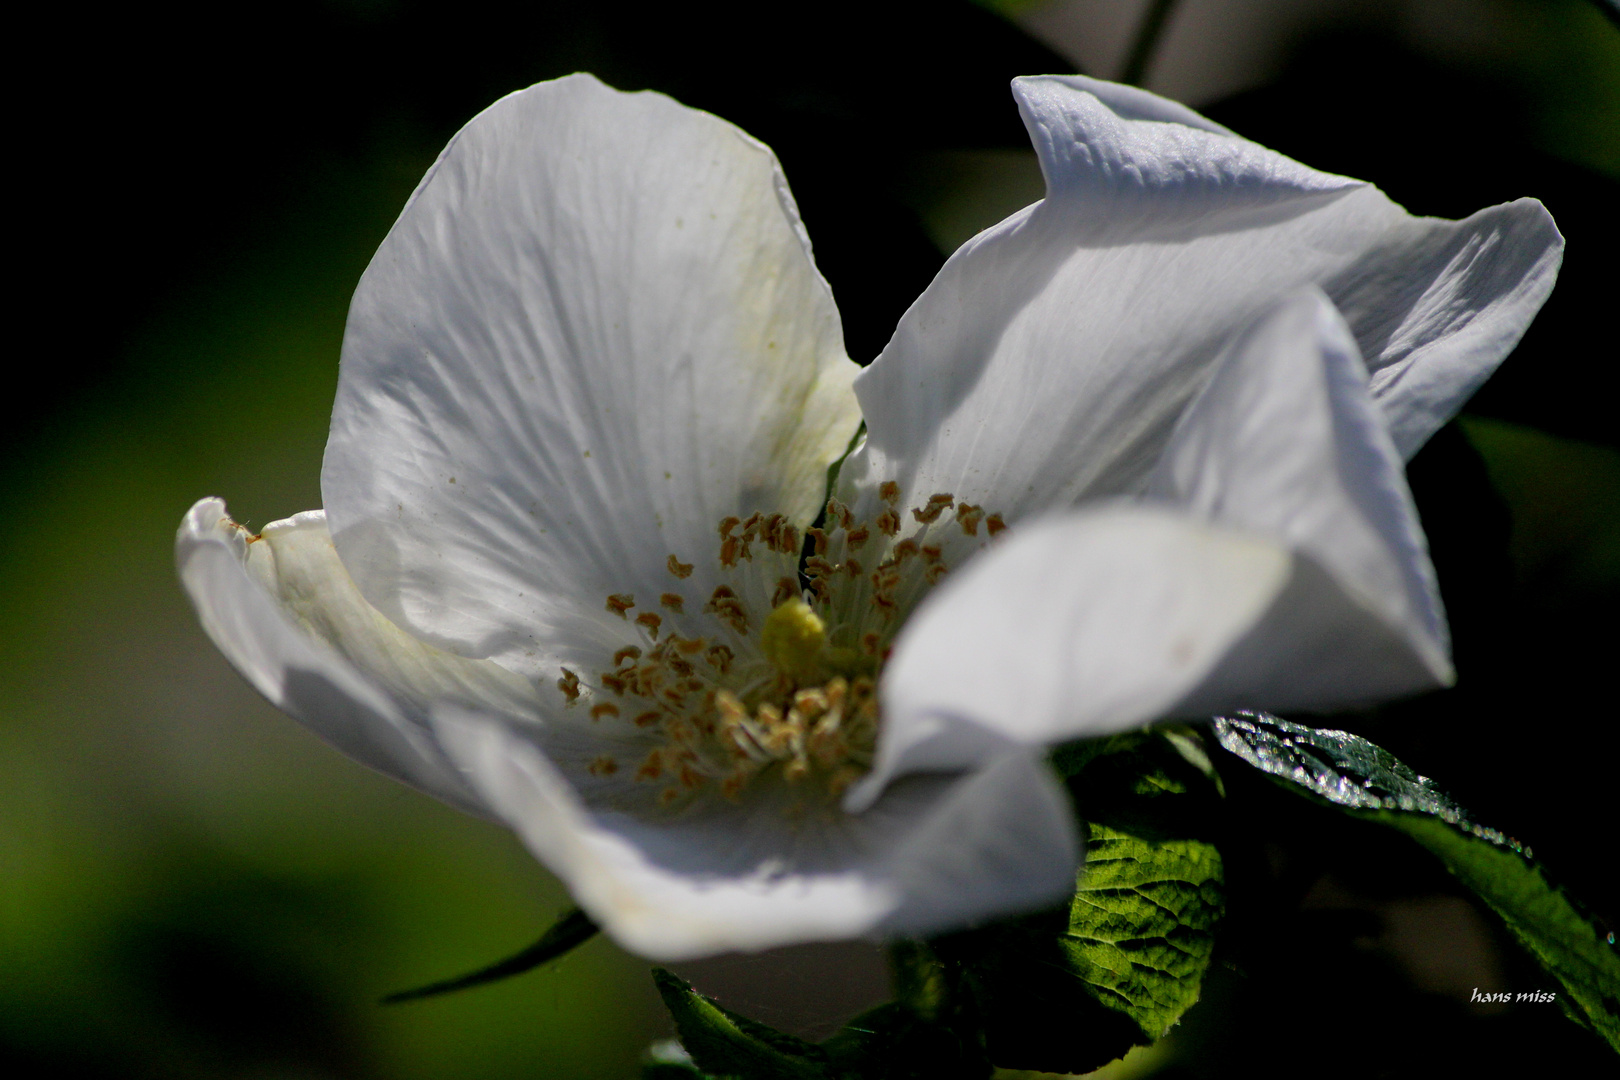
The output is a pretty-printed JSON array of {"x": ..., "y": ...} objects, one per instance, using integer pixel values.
[{"x": 194, "y": 887}]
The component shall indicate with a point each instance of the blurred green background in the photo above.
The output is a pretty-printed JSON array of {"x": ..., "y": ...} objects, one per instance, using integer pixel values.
[{"x": 192, "y": 886}]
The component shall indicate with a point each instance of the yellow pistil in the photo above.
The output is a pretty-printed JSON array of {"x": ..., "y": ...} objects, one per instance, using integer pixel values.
[{"x": 793, "y": 638}]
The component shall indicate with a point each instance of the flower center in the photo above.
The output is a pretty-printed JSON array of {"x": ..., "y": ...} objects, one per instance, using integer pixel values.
[{"x": 719, "y": 699}]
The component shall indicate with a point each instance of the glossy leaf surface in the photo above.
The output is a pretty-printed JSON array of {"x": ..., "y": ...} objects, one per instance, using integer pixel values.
[{"x": 1366, "y": 780}]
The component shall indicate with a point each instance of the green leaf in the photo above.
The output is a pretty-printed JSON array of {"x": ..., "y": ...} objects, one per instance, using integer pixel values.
[
  {"x": 1141, "y": 928},
  {"x": 1368, "y": 782},
  {"x": 1072, "y": 989},
  {"x": 724, "y": 1044},
  {"x": 571, "y": 930},
  {"x": 667, "y": 1059},
  {"x": 892, "y": 1042}
]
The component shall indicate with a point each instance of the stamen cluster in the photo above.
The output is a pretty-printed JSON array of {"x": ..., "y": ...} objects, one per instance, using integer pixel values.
[{"x": 720, "y": 698}]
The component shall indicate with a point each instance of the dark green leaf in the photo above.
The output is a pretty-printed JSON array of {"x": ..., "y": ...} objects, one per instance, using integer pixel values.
[
  {"x": 929, "y": 1032},
  {"x": 667, "y": 1059},
  {"x": 1366, "y": 781},
  {"x": 724, "y": 1044},
  {"x": 892, "y": 1042},
  {"x": 1072, "y": 989},
  {"x": 573, "y": 929}
]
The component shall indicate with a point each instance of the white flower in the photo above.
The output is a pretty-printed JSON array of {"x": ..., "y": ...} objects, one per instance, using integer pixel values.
[{"x": 591, "y": 386}]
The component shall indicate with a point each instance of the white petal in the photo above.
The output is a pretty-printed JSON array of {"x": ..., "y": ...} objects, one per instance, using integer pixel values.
[
  {"x": 1286, "y": 443},
  {"x": 595, "y": 330},
  {"x": 934, "y": 853},
  {"x": 1442, "y": 305},
  {"x": 296, "y": 563},
  {"x": 1049, "y": 359},
  {"x": 1279, "y": 565},
  {"x": 287, "y": 617},
  {"x": 1088, "y": 623}
]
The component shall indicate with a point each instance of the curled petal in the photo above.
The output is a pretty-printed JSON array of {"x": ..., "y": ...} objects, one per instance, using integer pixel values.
[
  {"x": 1049, "y": 360},
  {"x": 1285, "y": 442},
  {"x": 1084, "y": 624},
  {"x": 1278, "y": 564},
  {"x": 282, "y": 610}
]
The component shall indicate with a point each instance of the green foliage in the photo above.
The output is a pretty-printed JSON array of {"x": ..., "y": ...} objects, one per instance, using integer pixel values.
[
  {"x": 891, "y": 1042},
  {"x": 572, "y": 929},
  {"x": 1353, "y": 774},
  {"x": 1072, "y": 989},
  {"x": 723, "y": 1044},
  {"x": 1141, "y": 928}
]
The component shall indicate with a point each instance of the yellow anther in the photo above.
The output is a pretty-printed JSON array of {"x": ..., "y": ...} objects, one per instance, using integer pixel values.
[
  {"x": 937, "y": 505},
  {"x": 792, "y": 639},
  {"x": 653, "y": 767},
  {"x": 786, "y": 589},
  {"x": 731, "y": 709},
  {"x": 787, "y": 702},
  {"x": 569, "y": 685}
]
